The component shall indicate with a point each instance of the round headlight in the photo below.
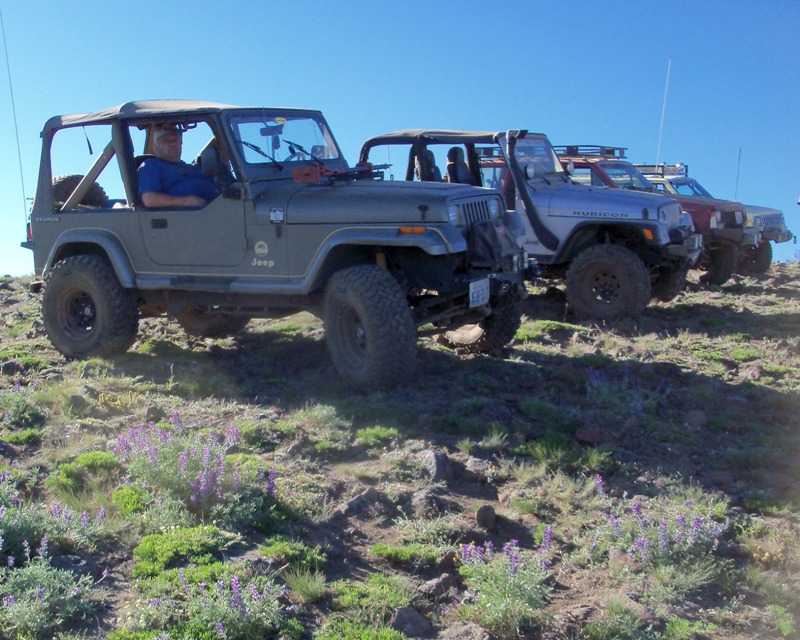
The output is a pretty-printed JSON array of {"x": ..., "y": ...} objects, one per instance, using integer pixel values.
[{"x": 494, "y": 208}]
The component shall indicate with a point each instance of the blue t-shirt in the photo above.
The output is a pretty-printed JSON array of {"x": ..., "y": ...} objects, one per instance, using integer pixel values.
[{"x": 175, "y": 179}]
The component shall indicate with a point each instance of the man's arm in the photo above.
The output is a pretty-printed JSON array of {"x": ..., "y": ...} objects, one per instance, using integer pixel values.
[{"x": 155, "y": 200}]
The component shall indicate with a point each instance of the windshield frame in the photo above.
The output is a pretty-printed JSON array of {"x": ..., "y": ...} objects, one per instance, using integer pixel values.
[{"x": 259, "y": 140}]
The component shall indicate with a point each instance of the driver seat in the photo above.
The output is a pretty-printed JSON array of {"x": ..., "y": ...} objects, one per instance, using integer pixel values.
[{"x": 457, "y": 169}]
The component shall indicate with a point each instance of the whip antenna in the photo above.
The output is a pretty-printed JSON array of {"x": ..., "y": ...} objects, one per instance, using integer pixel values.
[
  {"x": 738, "y": 165},
  {"x": 663, "y": 109},
  {"x": 14, "y": 113}
]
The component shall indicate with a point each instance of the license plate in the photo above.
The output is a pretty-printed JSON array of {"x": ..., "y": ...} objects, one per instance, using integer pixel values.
[{"x": 479, "y": 292}]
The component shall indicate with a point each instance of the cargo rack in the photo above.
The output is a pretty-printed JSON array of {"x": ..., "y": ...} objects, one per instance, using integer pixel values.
[
  {"x": 663, "y": 169},
  {"x": 590, "y": 150}
]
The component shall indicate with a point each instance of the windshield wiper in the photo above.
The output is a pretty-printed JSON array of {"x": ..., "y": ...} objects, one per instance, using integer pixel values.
[
  {"x": 260, "y": 151},
  {"x": 294, "y": 148}
]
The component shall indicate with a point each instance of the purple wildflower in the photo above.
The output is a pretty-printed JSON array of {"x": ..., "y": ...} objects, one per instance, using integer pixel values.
[
  {"x": 85, "y": 519},
  {"x": 236, "y": 593},
  {"x": 271, "y": 475},
  {"x": 510, "y": 546},
  {"x": 184, "y": 461},
  {"x": 182, "y": 577},
  {"x": 663, "y": 540},
  {"x": 235, "y": 480},
  {"x": 488, "y": 547},
  {"x": 220, "y": 628},
  {"x": 10, "y": 561},
  {"x": 513, "y": 563},
  {"x": 697, "y": 523},
  {"x": 8, "y": 601},
  {"x": 637, "y": 511},
  {"x": 466, "y": 553},
  {"x": 599, "y": 485},
  {"x": 254, "y": 594},
  {"x": 615, "y": 526},
  {"x": 176, "y": 420},
  {"x": 231, "y": 436},
  {"x": 547, "y": 538},
  {"x": 642, "y": 546},
  {"x": 67, "y": 513},
  {"x": 261, "y": 472},
  {"x": 206, "y": 456},
  {"x": 153, "y": 455},
  {"x": 2, "y": 511},
  {"x": 42, "y": 550},
  {"x": 55, "y": 509}
]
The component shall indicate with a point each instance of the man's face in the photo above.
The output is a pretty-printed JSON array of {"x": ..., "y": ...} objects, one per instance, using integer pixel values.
[{"x": 169, "y": 147}]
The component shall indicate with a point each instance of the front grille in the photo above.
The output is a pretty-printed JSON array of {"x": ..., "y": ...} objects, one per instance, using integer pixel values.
[
  {"x": 771, "y": 222},
  {"x": 729, "y": 219},
  {"x": 475, "y": 211}
]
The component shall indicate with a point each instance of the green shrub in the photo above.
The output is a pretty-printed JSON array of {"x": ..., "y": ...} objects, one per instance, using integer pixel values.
[
  {"x": 38, "y": 599},
  {"x": 17, "y": 411},
  {"x": 347, "y": 630},
  {"x": 415, "y": 553},
  {"x": 377, "y": 436},
  {"x": 159, "y": 551},
  {"x": 25, "y": 437},
  {"x": 98, "y": 462},
  {"x": 296, "y": 554},
  {"x": 130, "y": 500},
  {"x": 374, "y": 601}
]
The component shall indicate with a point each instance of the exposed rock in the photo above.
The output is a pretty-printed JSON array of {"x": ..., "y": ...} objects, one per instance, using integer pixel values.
[
  {"x": 437, "y": 465},
  {"x": 478, "y": 467},
  {"x": 438, "y": 587},
  {"x": 465, "y": 631},
  {"x": 360, "y": 503},
  {"x": 154, "y": 413},
  {"x": 593, "y": 436},
  {"x": 753, "y": 371},
  {"x": 426, "y": 505},
  {"x": 486, "y": 517},
  {"x": 12, "y": 368},
  {"x": 77, "y": 403},
  {"x": 412, "y": 623}
]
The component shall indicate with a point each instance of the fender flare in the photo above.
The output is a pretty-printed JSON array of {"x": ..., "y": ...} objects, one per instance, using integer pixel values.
[{"x": 94, "y": 241}]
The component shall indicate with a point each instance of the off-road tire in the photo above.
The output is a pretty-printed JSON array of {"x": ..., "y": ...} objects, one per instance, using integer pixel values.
[
  {"x": 669, "y": 283},
  {"x": 86, "y": 311},
  {"x": 369, "y": 330},
  {"x": 204, "y": 325},
  {"x": 719, "y": 264},
  {"x": 607, "y": 282},
  {"x": 491, "y": 333},
  {"x": 755, "y": 260},
  {"x": 63, "y": 186}
]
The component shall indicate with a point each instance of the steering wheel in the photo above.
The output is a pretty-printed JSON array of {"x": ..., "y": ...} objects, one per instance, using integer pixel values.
[{"x": 297, "y": 155}]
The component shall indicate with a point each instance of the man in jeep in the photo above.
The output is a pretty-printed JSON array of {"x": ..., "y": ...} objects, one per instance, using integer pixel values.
[{"x": 168, "y": 181}]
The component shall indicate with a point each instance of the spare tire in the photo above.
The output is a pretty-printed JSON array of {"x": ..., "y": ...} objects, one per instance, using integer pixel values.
[{"x": 63, "y": 186}]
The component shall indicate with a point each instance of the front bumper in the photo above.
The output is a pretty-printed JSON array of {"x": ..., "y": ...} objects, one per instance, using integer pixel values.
[
  {"x": 743, "y": 237},
  {"x": 777, "y": 236},
  {"x": 686, "y": 252}
]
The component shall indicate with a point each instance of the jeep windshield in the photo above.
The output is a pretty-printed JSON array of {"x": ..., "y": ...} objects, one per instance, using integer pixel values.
[
  {"x": 625, "y": 176},
  {"x": 535, "y": 152},
  {"x": 689, "y": 187},
  {"x": 271, "y": 144}
]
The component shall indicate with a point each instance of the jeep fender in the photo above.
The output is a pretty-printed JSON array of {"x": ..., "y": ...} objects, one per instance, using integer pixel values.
[
  {"x": 95, "y": 242},
  {"x": 590, "y": 233},
  {"x": 440, "y": 240}
]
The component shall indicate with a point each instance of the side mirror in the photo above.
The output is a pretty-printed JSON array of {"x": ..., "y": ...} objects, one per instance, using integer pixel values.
[
  {"x": 530, "y": 171},
  {"x": 571, "y": 168}
]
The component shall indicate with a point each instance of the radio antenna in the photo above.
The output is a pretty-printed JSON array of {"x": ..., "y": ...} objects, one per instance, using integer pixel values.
[
  {"x": 738, "y": 165},
  {"x": 14, "y": 113},
  {"x": 663, "y": 110}
]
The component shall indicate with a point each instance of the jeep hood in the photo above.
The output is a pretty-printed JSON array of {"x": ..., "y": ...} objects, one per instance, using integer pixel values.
[
  {"x": 375, "y": 201},
  {"x": 593, "y": 202}
]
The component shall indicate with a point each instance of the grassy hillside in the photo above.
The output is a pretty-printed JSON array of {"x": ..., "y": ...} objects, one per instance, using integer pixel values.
[{"x": 639, "y": 480}]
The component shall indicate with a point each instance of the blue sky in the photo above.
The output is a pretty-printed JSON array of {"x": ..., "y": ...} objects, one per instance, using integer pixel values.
[{"x": 581, "y": 72}]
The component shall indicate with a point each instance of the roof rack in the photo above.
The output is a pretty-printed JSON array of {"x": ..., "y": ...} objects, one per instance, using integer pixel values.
[
  {"x": 663, "y": 169},
  {"x": 593, "y": 150}
]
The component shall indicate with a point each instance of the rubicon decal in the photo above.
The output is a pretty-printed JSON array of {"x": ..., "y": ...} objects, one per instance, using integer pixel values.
[{"x": 600, "y": 214}]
